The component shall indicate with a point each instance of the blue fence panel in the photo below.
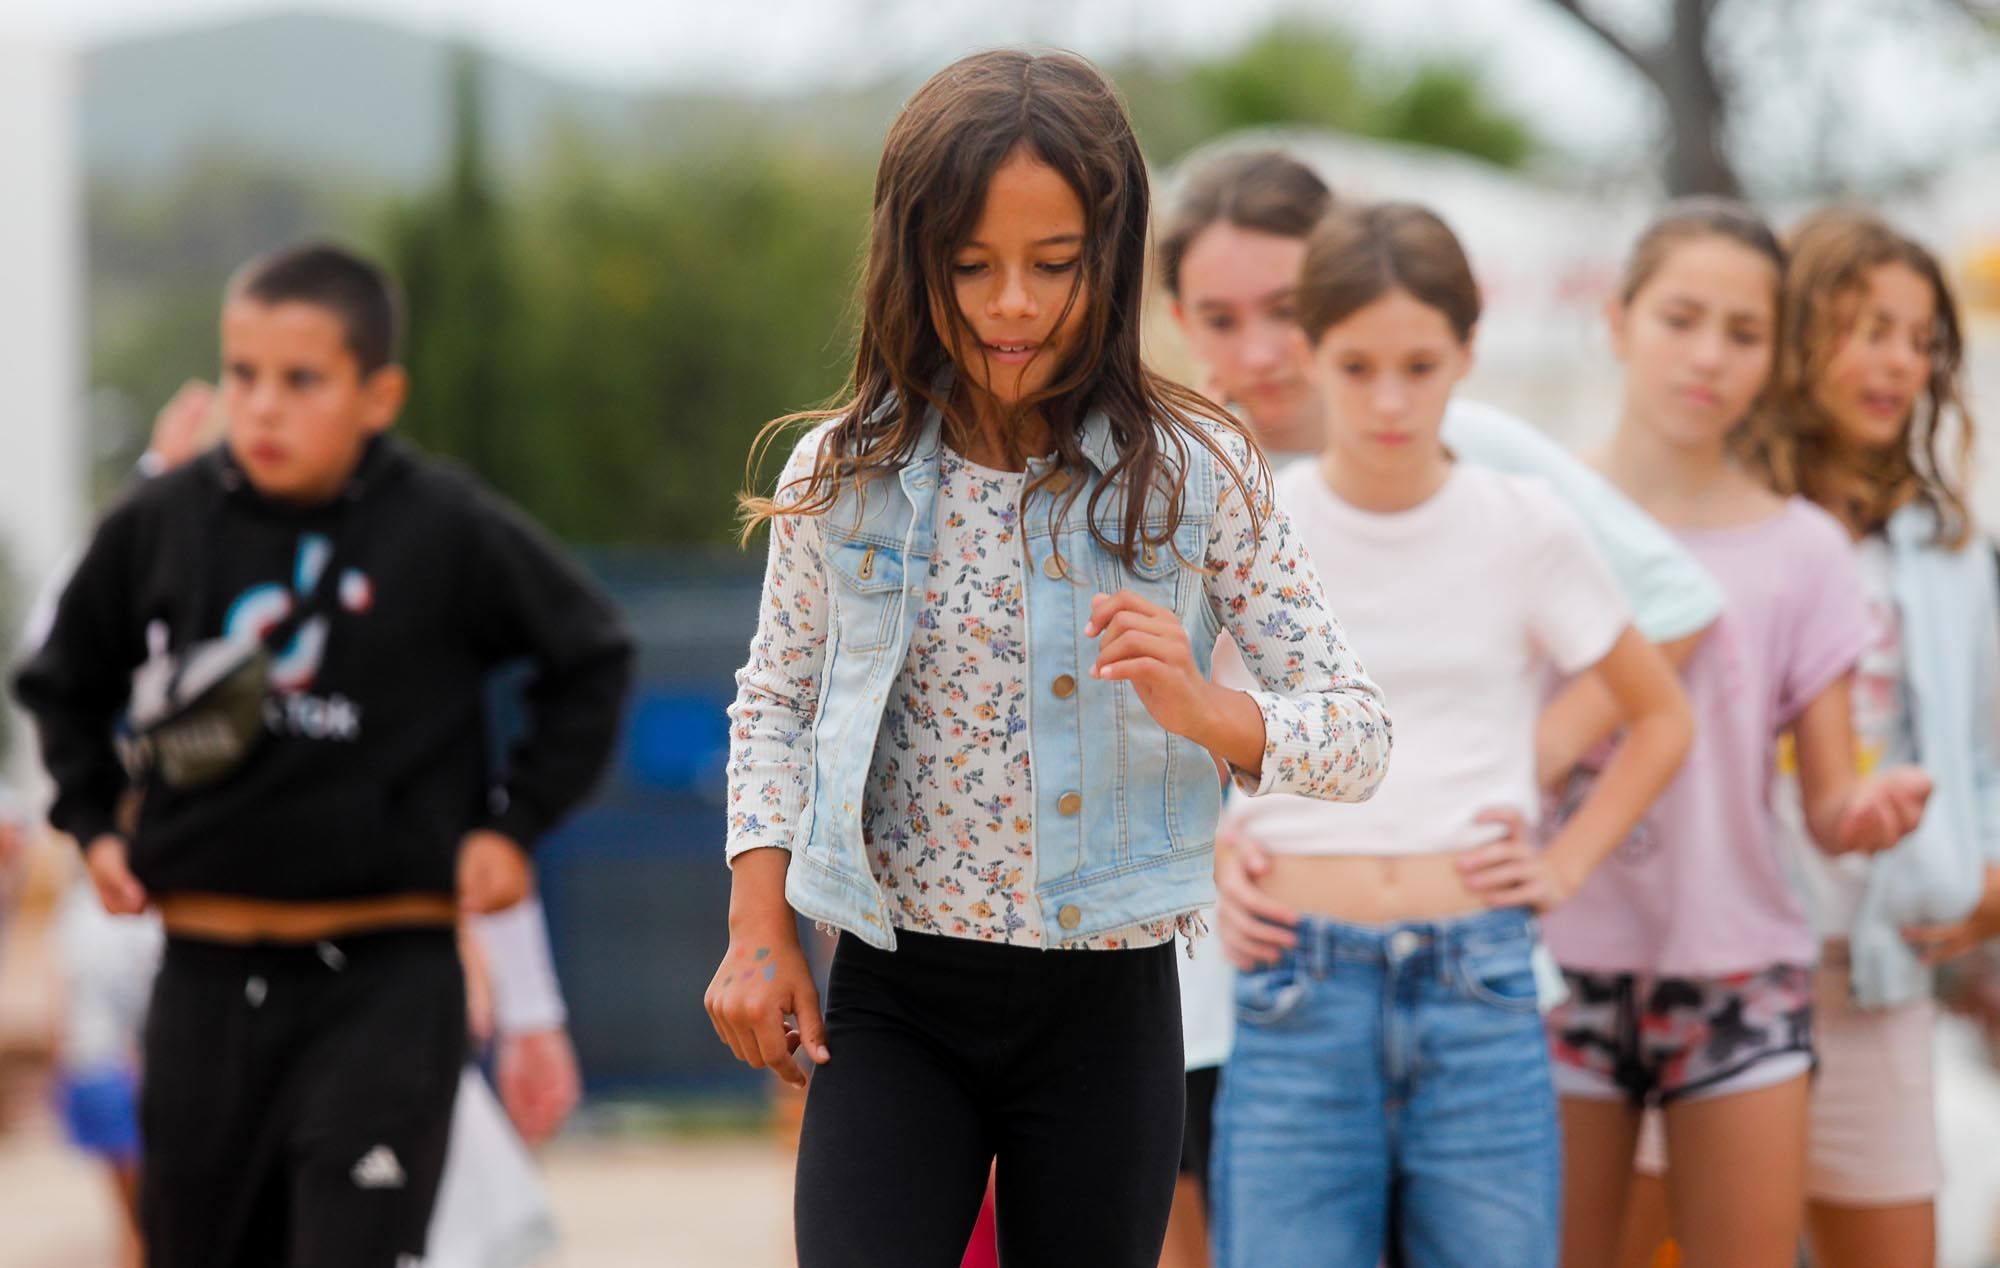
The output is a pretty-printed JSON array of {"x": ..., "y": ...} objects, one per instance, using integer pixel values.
[{"x": 634, "y": 884}]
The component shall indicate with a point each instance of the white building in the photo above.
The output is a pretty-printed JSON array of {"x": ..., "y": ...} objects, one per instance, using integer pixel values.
[{"x": 43, "y": 466}]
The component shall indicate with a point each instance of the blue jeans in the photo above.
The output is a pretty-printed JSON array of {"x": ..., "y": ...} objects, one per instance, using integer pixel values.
[{"x": 1407, "y": 1056}]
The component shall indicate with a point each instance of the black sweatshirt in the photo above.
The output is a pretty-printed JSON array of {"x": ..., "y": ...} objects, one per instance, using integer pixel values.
[{"x": 374, "y": 763}]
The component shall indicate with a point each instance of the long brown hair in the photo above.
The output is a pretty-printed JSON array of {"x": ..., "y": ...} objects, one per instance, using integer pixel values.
[
  {"x": 1795, "y": 444},
  {"x": 930, "y": 188},
  {"x": 1359, "y": 254},
  {"x": 1266, "y": 190}
]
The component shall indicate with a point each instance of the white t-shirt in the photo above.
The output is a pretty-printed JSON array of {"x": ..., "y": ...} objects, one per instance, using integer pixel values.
[
  {"x": 1458, "y": 606},
  {"x": 1669, "y": 593}
]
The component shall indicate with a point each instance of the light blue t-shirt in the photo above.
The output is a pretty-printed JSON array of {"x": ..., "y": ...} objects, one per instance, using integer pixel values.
[{"x": 1671, "y": 595}]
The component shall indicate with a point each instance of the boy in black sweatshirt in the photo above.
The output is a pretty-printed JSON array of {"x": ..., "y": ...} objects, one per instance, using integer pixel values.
[{"x": 308, "y": 1024}]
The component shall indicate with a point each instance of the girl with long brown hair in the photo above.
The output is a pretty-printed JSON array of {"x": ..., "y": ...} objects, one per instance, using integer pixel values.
[
  {"x": 975, "y": 731},
  {"x": 1866, "y": 418},
  {"x": 1688, "y": 957}
]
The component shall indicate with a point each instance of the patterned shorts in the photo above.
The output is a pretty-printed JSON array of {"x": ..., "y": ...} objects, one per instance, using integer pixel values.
[{"x": 1656, "y": 1040}]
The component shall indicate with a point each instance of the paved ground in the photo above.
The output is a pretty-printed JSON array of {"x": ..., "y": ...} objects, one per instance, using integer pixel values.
[{"x": 665, "y": 1203}]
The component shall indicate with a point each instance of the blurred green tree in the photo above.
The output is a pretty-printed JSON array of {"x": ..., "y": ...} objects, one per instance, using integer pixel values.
[
  {"x": 450, "y": 250},
  {"x": 601, "y": 334},
  {"x": 679, "y": 305},
  {"x": 1310, "y": 74}
]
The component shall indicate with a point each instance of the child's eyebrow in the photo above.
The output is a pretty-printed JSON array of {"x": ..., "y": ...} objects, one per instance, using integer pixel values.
[
  {"x": 1277, "y": 296},
  {"x": 1059, "y": 240}
]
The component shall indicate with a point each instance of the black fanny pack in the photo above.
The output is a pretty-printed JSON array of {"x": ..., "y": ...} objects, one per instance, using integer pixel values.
[{"x": 196, "y": 715}]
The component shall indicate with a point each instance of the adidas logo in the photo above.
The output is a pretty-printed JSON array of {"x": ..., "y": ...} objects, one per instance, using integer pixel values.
[{"x": 378, "y": 1169}]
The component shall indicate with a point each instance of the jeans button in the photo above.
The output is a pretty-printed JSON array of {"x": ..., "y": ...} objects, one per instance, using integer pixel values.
[{"x": 1403, "y": 944}]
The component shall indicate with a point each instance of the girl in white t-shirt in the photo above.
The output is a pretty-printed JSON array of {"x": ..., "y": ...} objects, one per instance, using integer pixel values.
[{"x": 1397, "y": 1046}]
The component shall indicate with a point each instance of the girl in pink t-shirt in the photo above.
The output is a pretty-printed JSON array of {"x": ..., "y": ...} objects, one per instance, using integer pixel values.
[
  {"x": 1687, "y": 955},
  {"x": 1867, "y": 418}
]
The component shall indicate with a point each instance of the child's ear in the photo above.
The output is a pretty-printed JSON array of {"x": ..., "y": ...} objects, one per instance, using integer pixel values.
[
  {"x": 382, "y": 396},
  {"x": 1616, "y": 316}
]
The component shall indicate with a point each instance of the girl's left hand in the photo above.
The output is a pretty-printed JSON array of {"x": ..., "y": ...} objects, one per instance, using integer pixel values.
[
  {"x": 1514, "y": 871},
  {"x": 1144, "y": 644}
]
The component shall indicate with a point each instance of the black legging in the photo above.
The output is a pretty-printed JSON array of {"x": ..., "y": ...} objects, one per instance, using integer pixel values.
[{"x": 949, "y": 1055}]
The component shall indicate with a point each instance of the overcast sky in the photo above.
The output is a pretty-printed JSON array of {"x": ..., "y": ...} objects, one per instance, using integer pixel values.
[
  {"x": 1909, "y": 77},
  {"x": 1533, "y": 59}
]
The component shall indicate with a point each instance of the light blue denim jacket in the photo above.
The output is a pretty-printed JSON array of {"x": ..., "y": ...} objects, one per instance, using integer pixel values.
[
  {"x": 1125, "y": 811},
  {"x": 1951, "y": 650}
]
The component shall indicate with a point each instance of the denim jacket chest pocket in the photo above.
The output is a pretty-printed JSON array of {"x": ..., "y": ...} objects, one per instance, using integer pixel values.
[{"x": 867, "y": 582}]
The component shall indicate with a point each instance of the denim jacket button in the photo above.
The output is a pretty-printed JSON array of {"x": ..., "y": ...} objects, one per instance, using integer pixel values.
[
  {"x": 1064, "y": 686},
  {"x": 1054, "y": 568},
  {"x": 1069, "y": 917},
  {"x": 1070, "y": 803}
]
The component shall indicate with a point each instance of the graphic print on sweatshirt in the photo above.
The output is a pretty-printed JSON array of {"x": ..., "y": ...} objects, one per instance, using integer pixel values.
[{"x": 292, "y": 710}]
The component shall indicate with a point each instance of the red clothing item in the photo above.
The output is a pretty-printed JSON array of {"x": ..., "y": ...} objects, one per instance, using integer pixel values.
[{"x": 984, "y": 1249}]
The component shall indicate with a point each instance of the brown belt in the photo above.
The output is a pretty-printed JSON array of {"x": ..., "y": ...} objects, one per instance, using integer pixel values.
[{"x": 225, "y": 918}]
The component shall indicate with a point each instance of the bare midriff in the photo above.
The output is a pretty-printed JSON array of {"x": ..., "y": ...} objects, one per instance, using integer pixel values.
[{"x": 1367, "y": 889}]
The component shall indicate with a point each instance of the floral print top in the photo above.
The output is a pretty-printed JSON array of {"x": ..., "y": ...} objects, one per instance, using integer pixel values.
[{"x": 948, "y": 806}]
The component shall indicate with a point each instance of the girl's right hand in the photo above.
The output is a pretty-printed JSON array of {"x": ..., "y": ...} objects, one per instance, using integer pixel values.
[
  {"x": 762, "y": 980},
  {"x": 1256, "y": 930}
]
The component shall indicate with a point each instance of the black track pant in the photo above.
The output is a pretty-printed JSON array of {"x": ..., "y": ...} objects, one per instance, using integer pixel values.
[{"x": 297, "y": 1100}]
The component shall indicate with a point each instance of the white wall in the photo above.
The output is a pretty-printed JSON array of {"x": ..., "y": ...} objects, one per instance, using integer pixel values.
[
  {"x": 42, "y": 451},
  {"x": 43, "y": 465}
]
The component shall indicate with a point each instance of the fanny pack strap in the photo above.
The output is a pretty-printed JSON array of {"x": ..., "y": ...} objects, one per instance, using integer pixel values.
[
  {"x": 310, "y": 605},
  {"x": 304, "y": 608}
]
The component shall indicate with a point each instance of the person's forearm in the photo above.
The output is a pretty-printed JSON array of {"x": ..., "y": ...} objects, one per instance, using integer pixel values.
[
  {"x": 1824, "y": 806},
  {"x": 757, "y": 906},
  {"x": 1235, "y": 730},
  {"x": 577, "y": 711},
  {"x": 1619, "y": 798},
  {"x": 1585, "y": 714}
]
